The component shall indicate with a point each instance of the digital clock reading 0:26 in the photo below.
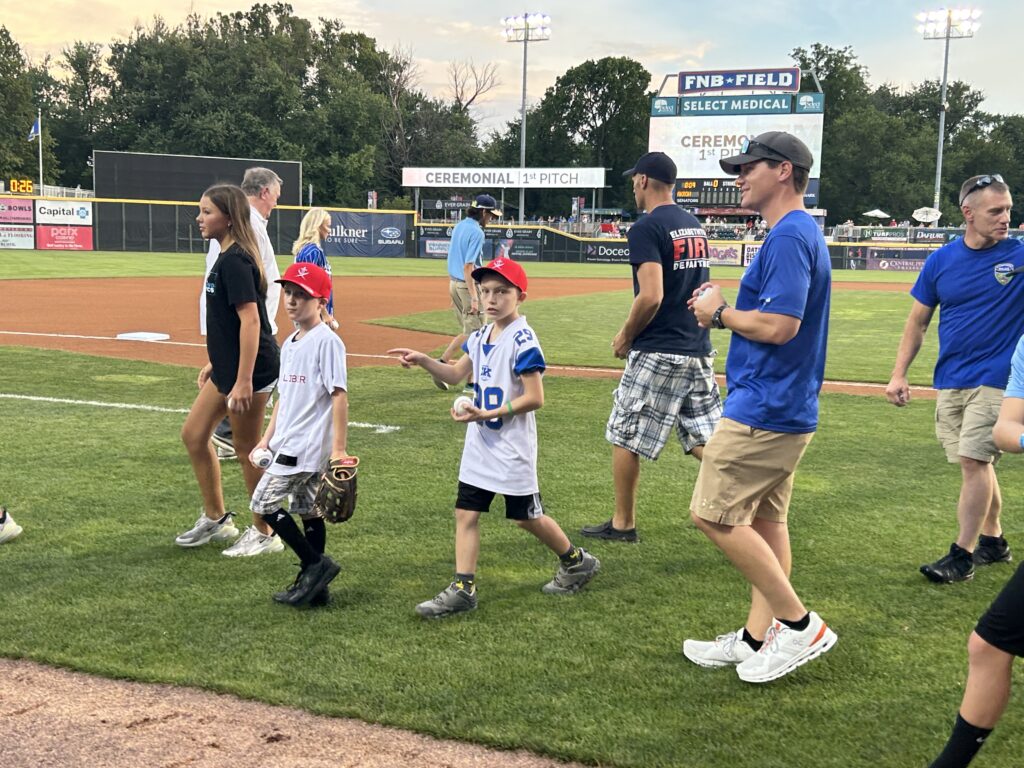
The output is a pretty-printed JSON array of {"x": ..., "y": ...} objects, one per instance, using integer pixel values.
[{"x": 22, "y": 186}]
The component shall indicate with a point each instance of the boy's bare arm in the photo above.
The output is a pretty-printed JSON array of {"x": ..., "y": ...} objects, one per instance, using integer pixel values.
[{"x": 339, "y": 423}]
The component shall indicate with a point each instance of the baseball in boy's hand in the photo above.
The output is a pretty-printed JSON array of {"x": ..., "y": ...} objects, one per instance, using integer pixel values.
[{"x": 461, "y": 404}]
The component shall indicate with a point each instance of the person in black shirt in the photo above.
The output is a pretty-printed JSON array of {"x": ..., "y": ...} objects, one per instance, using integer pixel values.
[
  {"x": 669, "y": 379},
  {"x": 242, "y": 367}
]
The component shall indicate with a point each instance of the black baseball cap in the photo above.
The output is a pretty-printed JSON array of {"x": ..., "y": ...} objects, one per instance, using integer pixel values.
[
  {"x": 657, "y": 165},
  {"x": 486, "y": 203},
  {"x": 772, "y": 145}
]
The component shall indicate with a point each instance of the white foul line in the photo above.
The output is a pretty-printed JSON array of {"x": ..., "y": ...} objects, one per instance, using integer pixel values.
[{"x": 378, "y": 428}]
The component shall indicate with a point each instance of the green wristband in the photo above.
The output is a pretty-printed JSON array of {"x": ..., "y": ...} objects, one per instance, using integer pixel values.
[{"x": 510, "y": 411}]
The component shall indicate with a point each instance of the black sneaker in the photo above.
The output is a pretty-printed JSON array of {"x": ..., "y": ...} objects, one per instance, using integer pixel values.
[
  {"x": 956, "y": 566},
  {"x": 313, "y": 579},
  {"x": 320, "y": 599},
  {"x": 992, "y": 549},
  {"x": 606, "y": 531}
]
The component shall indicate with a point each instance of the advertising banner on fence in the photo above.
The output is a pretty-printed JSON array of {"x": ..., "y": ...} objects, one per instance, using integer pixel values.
[
  {"x": 15, "y": 211},
  {"x": 51, "y": 238},
  {"x": 598, "y": 253},
  {"x": 896, "y": 259},
  {"x": 356, "y": 233},
  {"x": 725, "y": 255},
  {"x": 934, "y": 236},
  {"x": 750, "y": 250},
  {"x": 75, "y": 214},
  {"x": 519, "y": 243},
  {"x": 17, "y": 236}
]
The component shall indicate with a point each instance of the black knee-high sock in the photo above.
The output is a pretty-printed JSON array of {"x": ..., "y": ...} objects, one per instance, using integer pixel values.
[
  {"x": 285, "y": 527},
  {"x": 963, "y": 745},
  {"x": 316, "y": 533}
]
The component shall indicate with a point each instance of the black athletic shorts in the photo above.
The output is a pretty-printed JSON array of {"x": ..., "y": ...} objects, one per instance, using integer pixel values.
[
  {"x": 1003, "y": 622},
  {"x": 516, "y": 507}
]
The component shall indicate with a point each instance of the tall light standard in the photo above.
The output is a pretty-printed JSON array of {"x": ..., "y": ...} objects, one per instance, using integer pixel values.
[
  {"x": 947, "y": 24},
  {"x": 526, "y": 28}
]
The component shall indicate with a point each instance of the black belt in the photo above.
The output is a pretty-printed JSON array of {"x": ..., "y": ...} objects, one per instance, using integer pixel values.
[{"x": 287, "y": 461}]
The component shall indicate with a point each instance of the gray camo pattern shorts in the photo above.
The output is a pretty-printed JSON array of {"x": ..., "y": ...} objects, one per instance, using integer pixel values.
[{"x": 299, "y": 489}]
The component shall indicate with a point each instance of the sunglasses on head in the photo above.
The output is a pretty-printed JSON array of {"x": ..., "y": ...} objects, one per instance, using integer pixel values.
[
  {"x": 748, "y": 144},
  {"x": 981, "y": 183}
]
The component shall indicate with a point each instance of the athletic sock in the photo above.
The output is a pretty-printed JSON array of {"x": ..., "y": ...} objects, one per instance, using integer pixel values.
[
  {"x": 572, "y": 556},
  {"x": 991, "y": 541},
  {"x": 285, "y": 527},
  {"x": 750, "y": 640},
  {"x": 800, "y": 625},
  {"x": 963, "y": 745},
  {"x": 316, "y": 533},
  {"x": 466, "y": 581}
]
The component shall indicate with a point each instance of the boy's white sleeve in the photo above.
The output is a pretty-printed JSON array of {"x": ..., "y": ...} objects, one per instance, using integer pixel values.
[{"x": 333, "y": 364}]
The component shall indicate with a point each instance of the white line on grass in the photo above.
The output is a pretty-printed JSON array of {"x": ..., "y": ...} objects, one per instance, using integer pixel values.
[{"x": 379, "y": 428}]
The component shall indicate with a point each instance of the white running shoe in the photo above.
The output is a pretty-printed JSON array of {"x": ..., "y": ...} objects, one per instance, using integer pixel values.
[
  {"x": 8, "y": 529},
  {"x": 786, "y": 649},
  {"x": 253, "y": 542},
  {"x": 206, "y": 529},
  {"x": 723, "y": 651}
]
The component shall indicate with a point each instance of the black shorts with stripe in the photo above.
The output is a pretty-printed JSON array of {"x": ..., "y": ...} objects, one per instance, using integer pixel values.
[
  {"x": 476, "y": 499},
  {"x": 1003, "y": 622}
]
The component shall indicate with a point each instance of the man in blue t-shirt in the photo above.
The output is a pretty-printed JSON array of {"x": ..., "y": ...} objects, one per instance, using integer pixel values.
[
  {"x": 773, "y": 373},
  {"x": 464, "y": 255},
  {"x": 981, "y": 301},
  {"x": 669, "y": 379}
]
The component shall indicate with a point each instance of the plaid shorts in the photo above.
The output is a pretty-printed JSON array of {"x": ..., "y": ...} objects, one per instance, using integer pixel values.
[
  {"x": 299, "y": 489},
  {"x": 657, "y": 391}
]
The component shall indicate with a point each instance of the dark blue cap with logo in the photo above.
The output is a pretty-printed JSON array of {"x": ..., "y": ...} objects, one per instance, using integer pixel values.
[
  {"x": 655, "y": 165},
  {"x": 486, "y": 203}
]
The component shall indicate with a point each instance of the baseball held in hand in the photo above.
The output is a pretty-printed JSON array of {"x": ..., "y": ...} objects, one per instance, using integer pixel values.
[
  {"x": 261, "y": 457},
  {"x": 461, "y": 404}
]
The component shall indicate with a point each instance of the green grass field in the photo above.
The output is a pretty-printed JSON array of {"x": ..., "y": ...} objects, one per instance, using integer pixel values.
[{"x": 97, "y": 584}]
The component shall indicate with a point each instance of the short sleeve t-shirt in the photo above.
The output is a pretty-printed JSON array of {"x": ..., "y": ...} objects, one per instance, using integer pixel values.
[
  {"x": 1015, "y": 387},
  {"x": 234, "y": 280},
  {"x": 465, "y": 248},
  {"x": 313, "y": 254},
  {"x": 981, "y": 311},
  {"x": 500, "y": 455},
  {"x": 771, "y": 386},
  {"x": 673, "y": 238},
  {"x": 311, "y": 369}
]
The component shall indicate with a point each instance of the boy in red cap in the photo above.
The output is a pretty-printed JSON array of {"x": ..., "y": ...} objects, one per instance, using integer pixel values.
[
  {"x": 500, "y": 453},
  {"x": 309, "y": 428}
]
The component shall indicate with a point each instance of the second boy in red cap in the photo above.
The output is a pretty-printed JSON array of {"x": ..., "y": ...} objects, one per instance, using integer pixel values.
[{"x": 500, "y": 453}]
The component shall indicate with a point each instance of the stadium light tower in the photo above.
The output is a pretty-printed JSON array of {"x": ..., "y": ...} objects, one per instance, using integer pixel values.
[
  {"x": 526, "y": 28},
  {"x": 946, "y": 24}
]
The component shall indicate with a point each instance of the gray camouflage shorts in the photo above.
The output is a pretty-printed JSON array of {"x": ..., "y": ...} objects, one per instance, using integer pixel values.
[{"x": 299, "y": 489}]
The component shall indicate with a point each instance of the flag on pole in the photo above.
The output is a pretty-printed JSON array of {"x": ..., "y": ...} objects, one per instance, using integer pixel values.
[{"x": 34, "y": 130}]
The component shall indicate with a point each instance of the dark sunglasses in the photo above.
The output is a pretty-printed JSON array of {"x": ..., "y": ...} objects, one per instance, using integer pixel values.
[
  {"x": 981, "y": 183},
  {"x": 748, "y": 144}
]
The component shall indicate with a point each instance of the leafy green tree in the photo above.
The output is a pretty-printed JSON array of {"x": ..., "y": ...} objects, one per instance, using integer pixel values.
[{"x": 18, "y": 105}]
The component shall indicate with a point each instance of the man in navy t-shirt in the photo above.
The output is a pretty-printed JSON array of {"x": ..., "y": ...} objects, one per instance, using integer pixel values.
[
  {"x": 773, "y": 373},
  {"x": 981, "y": 302},
  {"x": 669, "y": 379}
]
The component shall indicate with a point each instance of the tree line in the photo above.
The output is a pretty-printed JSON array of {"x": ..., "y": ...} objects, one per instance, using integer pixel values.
[{"x": 267, "y": 83}]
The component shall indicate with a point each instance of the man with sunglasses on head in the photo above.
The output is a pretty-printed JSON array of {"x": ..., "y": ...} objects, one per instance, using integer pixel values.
[
  {"x": 981, "y": 316},
  {"x": 774, "y": 372}
]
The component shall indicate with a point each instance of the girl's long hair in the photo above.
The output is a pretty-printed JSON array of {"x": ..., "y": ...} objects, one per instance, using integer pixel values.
[
  {"x": 309, "y": 229},
  {"x": 232, "y": 202}
]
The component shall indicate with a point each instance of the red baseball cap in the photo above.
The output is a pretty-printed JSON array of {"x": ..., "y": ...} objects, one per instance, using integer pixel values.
[
  {"x": 309, "y": 277},
  {"x": 504, "y": 266}
]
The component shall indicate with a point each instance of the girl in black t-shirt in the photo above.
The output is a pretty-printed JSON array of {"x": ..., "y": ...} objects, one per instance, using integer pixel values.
[{"x": 241, "y": 372}]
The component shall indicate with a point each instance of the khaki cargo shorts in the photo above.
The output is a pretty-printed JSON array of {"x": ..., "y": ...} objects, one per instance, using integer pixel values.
[
  {"x": 747, "y": 473},
  {"x": 461, "y": 303},
  {"x": 964, "y": 419}
]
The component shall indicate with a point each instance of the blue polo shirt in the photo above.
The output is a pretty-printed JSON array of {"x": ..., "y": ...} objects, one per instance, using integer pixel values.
[
  {"x": 771, "y": 386},
  {"x": 981, "y": 311},
  {"x": 465, "y": 248}
]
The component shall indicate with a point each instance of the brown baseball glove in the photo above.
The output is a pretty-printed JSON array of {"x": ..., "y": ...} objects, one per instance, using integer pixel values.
[{"x": 336, "y": 497}]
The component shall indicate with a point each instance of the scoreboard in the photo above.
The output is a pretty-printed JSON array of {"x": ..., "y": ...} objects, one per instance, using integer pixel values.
[{"x": 719, "y": 193}]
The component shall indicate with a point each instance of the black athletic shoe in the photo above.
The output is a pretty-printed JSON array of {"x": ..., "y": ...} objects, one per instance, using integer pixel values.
[
  {"x": 956, "y": 566},
  {"x": 313, "y": 579},
  {"x": 606, "y": 531},
  {"x": 992, "y": 549},
  {"x": 320, "y": 599}
]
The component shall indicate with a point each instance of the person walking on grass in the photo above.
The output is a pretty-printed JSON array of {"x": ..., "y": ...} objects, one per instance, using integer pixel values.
[
  {"x": 774, "y": 372},
  {"x": 669, "y": 381},
  {"x": 981, "y": 315},
  {"x": 307, "y": 431},
  {"x": 240, "y": 374},
  {"x": 314, "y": 229},
  {"x": 500, "y": 452},
  {"x": 999, "y": 635}
]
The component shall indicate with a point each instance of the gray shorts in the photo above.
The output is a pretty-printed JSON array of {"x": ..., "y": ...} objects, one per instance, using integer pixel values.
[
  {"x": 299, "y": 489},
  {"x": 659, "y": 391}
]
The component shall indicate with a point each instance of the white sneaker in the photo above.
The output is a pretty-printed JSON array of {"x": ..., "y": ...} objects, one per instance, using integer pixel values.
[
  {"x": 786, "y": 649},
  {"x": 206, "y": 530},
  {"x": 723, "y": 651},
  {"x": 9, "y": 529},
  {"x": 253, "y": 542}
]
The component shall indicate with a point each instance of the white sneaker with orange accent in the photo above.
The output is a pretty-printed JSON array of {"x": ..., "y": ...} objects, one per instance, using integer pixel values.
[{"x": 786, "y": 649}]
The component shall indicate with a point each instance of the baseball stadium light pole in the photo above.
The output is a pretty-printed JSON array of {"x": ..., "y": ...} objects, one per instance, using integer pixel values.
[
  {"x": 947, "y": 24},
  {"x": 526, "y": 28}
]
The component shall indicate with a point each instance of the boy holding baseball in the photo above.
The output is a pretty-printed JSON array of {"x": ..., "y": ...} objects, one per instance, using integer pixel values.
[
  {"x": 309, "y": 426},
  {"x": 500, "y": 453}
]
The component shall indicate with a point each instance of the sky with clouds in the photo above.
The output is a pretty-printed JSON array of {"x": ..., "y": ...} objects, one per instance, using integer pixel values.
[{"x": 666, "y": 36}]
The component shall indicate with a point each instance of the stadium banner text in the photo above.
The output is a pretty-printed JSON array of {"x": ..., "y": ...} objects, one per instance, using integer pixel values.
[
  {"x": 502, "y": 178},
  {"x": 355, "y": 233},
  {"x": 787, "y": 79}
]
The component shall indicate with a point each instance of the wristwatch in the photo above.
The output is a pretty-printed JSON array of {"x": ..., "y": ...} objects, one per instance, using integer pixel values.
[{"x": 716, "y": 318}]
